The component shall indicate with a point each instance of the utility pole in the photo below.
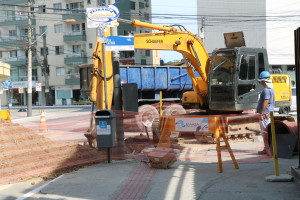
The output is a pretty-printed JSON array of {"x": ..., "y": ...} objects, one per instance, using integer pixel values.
[
  {"x": 46, "y": 70},
  {"x": 114, "y": 32},
  {"x": 202, "y": 29},
  {"x": 118, "y": 94},
  {"x": 29, "y": 67}
]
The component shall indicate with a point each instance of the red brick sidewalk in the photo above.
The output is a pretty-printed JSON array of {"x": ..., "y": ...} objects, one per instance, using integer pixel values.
[{"x": 137, "y": 184}]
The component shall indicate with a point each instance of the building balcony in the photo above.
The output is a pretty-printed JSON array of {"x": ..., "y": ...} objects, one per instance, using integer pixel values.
[
  {"x": 80, "y": 58},
  {"x": 15, "y": 61},
  {"x": 13, "y": 41},
  {"x": 12, "y": 21},
  {"x": 75, "y": 36},
  {"x": 19, "y": 61},
  {"x": 15, "y": 2},
  {"x": 72, "y": 79},
  {"x": 74, "y": 16}
]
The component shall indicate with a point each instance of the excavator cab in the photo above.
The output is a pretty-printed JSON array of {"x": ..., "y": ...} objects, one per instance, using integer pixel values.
[
  {"x": 233, "y": 84},
  {"x": 234, "y": 71}
]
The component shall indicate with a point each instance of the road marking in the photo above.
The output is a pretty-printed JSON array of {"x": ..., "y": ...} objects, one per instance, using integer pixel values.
[{"x": 36, "y": 190}]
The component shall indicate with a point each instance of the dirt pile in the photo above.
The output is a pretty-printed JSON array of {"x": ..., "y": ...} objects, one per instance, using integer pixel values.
[{"x": 25, "y": 154}]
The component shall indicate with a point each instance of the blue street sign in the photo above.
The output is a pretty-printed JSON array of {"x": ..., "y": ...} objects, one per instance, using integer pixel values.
[
  {"x": 103, "y": 124},
  {"x": 122, "y": 43}
]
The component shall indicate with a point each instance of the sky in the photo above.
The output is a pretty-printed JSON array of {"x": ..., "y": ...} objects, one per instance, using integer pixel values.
[{"x": 168, "y": 12}]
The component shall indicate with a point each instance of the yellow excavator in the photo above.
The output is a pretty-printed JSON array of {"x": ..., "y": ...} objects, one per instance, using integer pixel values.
[{"x": 223, "y": 83}]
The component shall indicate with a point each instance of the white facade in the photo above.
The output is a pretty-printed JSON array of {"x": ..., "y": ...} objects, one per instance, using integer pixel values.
[
  {"x": 265, "y": 23},
  {"x": 283, "y": 19}
]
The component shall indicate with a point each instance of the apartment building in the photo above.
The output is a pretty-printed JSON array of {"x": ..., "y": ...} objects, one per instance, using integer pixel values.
[
  {"x": 139, "y": 10},
  {"x": 61, "y": 43},
  {"x": 265, "y": 23}
]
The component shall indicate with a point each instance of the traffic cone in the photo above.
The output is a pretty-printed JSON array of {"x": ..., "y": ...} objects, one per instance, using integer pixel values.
[{"x": 43, "y": 125}]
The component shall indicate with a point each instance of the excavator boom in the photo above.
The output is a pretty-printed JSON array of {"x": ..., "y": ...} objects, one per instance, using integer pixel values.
[{"x": 184, "y": 42}]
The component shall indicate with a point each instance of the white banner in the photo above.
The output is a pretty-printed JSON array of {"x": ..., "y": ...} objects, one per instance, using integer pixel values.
[
  {"x": 191, "y": 124},
  {"x": 107, "y": 15}
]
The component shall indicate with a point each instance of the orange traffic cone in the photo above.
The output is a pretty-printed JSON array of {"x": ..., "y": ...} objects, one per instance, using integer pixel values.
[{"x": 43, "y": 125}]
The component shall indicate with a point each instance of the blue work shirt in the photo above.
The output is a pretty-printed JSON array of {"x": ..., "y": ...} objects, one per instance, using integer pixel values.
[{"x": 267, "y": 93}]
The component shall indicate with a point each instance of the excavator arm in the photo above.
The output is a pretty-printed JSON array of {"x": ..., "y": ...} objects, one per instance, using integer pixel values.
[
  {"x": 169, "y": 38},
  {"x": 97, "y": 77}
]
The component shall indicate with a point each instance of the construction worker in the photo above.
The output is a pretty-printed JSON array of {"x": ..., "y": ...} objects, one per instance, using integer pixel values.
[{"x": 266, "y": 104}]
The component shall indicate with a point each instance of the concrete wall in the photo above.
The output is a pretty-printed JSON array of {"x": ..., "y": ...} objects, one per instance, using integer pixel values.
[
  {"x": 232, "y": 16},
  {"x": 265, "y": 23},
  {"x": 283, "y": 20}
]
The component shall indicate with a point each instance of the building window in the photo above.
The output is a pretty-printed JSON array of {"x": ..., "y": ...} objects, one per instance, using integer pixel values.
[
  {"x": 88, "y": 1},
  {"x": 147, "y": 52},
  {"x": 60, "y": 71},
  {"x": 66, "y": 94},
  {"x": 132, "y": 5},
  {"x": 42, "y": 51},
  {"x": 43, "y": 30},
  {"x": 146, "y": 16},
  {"x": 76, "y": 6},
  {"x": 1, "y": 54},
  {"x": 34, "y": 75},
  {"x": 76, "y": 48},
  {"x": 101, "y": 2},
  {"x": 90, "y": 45},
  {"x": 57, "y": 7},
  {"x": 141, "y": 5},
  {"x": 76, "y": 27},
  {"x": 59, "y": 50},
  {"x": 14, "y": 75},
  {"x": 42, "y": 8},
  {"x": 12, "y": 33},
  {"x": 22, "y": 74},
  {"x": 143, "y": 61},
  {"x": 13, "y": 53},
  {"x": 58, "y": 28},
  {"x": 126, "y": 54}
]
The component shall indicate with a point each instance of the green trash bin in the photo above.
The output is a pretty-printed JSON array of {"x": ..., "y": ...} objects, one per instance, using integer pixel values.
[{"x": 105, "y": 128}]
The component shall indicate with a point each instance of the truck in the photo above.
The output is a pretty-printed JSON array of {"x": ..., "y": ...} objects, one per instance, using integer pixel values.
[
  {"x": 172, "y": 81},
  {"x": 224, "y": 84}
]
